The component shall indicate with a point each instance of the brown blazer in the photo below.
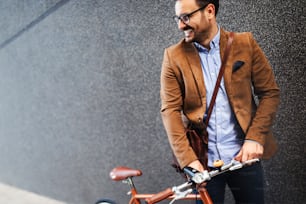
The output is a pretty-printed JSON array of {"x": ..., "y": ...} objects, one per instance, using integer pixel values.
[{"x": 183, "y": 92}]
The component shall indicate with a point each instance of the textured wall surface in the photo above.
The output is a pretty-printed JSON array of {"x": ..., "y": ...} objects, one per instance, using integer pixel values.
[{"x": 79, "y": 89}]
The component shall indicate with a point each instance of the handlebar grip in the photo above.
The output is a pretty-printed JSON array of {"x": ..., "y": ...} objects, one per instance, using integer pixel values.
[
  {"x": 160, "y": 196},
  {"x": 204, "y": 195}
]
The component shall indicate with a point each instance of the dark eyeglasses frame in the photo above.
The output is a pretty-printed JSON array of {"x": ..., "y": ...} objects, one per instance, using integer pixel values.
[{"x": 185, "y": 18}]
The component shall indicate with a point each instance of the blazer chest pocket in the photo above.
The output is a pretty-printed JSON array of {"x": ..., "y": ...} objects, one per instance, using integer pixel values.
[
  {"x": 237, "y": 65},
  {"x": 241, "y": 72}
]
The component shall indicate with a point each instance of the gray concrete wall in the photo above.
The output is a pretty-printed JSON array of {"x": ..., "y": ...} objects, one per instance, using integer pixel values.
[{"x": 79, "y": 89}]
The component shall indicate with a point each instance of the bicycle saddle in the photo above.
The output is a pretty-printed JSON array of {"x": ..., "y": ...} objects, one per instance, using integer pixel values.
[{"x": 121, "y": 172}]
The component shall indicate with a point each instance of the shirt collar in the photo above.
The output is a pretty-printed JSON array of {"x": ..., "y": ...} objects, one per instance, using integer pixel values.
[{"x": 214, "y": 44}]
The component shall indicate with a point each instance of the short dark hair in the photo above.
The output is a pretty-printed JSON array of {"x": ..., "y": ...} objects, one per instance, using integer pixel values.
[
  {"x": 214, "y": 2},
  {"x": 204, "y": 2}
]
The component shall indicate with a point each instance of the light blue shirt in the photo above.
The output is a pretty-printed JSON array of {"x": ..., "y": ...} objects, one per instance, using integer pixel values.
[{"x": 225, "y": 135}]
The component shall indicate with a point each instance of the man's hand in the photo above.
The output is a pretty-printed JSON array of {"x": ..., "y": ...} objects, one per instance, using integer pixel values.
[
  {"x": 250, "y": 150},
  {"x": 196, "y": 165}
]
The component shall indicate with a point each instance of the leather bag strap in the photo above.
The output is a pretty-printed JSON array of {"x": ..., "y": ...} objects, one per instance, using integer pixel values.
[{"x": 220, "y": 75}]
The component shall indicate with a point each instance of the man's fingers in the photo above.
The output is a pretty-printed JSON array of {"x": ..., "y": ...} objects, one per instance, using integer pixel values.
[
  {"x": 239, "y": 156},
  {"x": 245, "y": 157},
  {"x": 249, "y": 150}
]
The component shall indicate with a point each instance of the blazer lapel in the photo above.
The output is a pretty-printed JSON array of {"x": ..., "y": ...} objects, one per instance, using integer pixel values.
[
  {"x": 194, "y": 61},
  {"x": 228, "y": 69}
]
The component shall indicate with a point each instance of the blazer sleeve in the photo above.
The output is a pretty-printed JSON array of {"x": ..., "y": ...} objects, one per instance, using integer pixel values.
[
  {"x": 172, "y": 92},
  {"x": 267, "y": 91}
]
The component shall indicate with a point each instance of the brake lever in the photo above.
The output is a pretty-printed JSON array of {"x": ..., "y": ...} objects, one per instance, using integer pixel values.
[{"x": 250, "y": 161}]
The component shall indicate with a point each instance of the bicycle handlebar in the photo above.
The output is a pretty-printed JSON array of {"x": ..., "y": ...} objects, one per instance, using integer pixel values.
[
  {"x": 160, "y": 196},
  {"x": 197, "y": 178}
]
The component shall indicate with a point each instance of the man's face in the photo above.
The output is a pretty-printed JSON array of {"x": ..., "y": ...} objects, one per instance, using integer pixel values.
[{"x": 195, "y": 29}]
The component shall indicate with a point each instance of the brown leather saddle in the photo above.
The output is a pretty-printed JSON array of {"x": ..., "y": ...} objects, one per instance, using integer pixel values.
[{"x": 121, "y": 173}]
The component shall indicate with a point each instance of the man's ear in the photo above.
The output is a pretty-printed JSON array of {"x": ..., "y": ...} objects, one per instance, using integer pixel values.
[{"x": 211, "y": 10}]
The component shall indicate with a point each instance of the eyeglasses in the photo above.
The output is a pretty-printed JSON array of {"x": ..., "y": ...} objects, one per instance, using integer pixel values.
[{"x": 185, "y": 18}]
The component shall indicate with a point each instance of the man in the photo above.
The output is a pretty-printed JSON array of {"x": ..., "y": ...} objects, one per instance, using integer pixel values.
[{"x": 239, "y": 128}]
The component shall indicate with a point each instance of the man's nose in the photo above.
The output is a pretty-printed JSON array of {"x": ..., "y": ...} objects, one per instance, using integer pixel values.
[{"x": 181, "y": 25}]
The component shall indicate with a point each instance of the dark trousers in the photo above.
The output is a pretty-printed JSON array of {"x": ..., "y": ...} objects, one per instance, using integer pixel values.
[{"x": 246, "y": 184}]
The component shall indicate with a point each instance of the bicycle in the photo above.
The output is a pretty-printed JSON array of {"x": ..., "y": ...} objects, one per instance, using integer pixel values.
[{"x": 184, "y": 191}]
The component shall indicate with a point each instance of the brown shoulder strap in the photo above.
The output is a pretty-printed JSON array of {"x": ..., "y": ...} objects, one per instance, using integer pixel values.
[{"x": 220, "y": 75}]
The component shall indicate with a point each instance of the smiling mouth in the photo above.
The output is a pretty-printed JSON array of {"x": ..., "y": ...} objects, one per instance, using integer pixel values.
[{"x": 188, "y": 32}]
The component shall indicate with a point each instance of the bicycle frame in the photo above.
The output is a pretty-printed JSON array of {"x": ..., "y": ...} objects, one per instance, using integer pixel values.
[{"x": 126, "y": 175}]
